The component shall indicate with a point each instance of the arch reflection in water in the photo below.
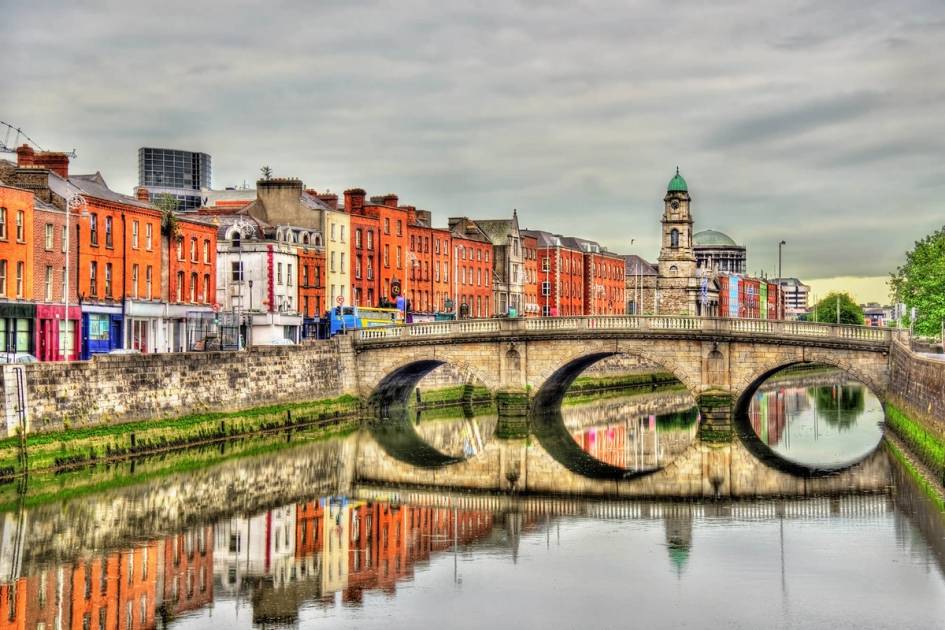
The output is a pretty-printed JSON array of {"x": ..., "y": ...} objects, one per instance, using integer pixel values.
[
  {"x": 632, "y": 433},
  {"x": 819, "y": 420},
  {"x": 436, "y": 437}
]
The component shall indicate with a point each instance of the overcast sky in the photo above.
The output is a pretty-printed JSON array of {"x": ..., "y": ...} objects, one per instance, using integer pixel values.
[{"x": 821, "y": 123}]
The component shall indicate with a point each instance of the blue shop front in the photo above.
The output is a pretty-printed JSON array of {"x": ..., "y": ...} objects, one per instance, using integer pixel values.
[{"x": 101, "y": 329}]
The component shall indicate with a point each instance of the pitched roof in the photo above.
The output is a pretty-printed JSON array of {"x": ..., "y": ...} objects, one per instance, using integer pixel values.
[
  {"x": 93, "y": 185},
  {"x": 635, "y": 265}
]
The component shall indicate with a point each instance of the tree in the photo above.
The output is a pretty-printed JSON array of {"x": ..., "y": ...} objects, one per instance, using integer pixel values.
[
  {"x": 168, "y": 205},
  {"x": 266, "y": 172},
  {"x": 920, "y": 283},
  {"x": 826, "y": 310}
]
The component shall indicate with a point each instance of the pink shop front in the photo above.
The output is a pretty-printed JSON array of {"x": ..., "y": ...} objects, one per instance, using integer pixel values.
[{"x": 57, "y": 339}]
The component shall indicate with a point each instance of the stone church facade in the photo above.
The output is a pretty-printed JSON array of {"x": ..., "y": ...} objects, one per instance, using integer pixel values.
[{"x": 679, "y": 286}]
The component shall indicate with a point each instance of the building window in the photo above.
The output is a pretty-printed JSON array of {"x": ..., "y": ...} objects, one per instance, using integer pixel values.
[
  {"x": 386, "y": 225},
  {"x": 49, "y": 283},
  {"x": 134, "y": 234},
  {"x": 370, "y": 239},
  {"x": 93, "y": 278},
  {"x": 357, "y": 238},
  {"x": 206, "y": 251},
  {"x": 148, "y": 234},
  {"x": 50, "y": 237},
  {"x": 205, "y": 289},
  {"x": 193, "y": 249},
  {"x": 193, "y": 287},
  {"x": 180, "y": 286},
  {"x": 147, "y": 282},
  {"x": 65, "y": 238},
  {"x": 180, "y": 248},
  {"x": 304, "y": 275},
  {"x": 288, "y": 273},
  {"x": 674, "y": 238},
  {"x": 370, "y": 268},
  {"x": 333, "y": 231},
  {"x": 342, "y": 233},
  {"x": 318, "y": 277},
  {"x": 400, "y": 228},
  {"x": 279, "y": 273},
  {"x": 333, "y": 262},
  {"x": 357, "y": 267},
  {"x": 108, "y": 232},
  {"x": 236, "y": 271},
  {"x": 342, "y": 262},
  {"x": 93, "y": 229},
  {"x": 3, "y": 223},
  {"x": 386, "y": 255},
  {"x": 399, "y": 266},
  {"x": 20, "y": 235},
  {"x": 108, "y": 279}
]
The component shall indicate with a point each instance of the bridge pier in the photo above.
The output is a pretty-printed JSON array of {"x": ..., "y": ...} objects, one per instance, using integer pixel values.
[
  {"x": 512, "y": 406},
  {"x": 717, "y": 408}
]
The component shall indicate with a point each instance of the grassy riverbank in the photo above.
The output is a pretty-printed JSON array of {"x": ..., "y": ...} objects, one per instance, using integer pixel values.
[
  {"x": 926, "y": 445},
  {"x": 81, "y": 447}
]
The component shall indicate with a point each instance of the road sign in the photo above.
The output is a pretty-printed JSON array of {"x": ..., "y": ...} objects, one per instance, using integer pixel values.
[
  {"x": 340, "y": 299},
  {"x": 395, "y": 288}
]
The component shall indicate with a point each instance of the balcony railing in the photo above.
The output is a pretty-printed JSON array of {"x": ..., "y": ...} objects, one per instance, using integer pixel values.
[{"x": 631, "y": 323}]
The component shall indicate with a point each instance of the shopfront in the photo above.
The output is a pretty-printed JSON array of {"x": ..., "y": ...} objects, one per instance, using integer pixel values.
[
  {"x": 57, "y": 338},
  {"x": 16, "y": 326},
  {"x": 145, "y": 326},
  {"x": 102, "y": 328}
]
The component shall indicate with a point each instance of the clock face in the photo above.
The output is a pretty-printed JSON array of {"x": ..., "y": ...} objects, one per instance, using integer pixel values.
[{"x": 675, "y": 204}]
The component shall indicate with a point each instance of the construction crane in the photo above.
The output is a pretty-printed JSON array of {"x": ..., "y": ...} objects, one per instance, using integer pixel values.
[{"x": 6, "y": 147}]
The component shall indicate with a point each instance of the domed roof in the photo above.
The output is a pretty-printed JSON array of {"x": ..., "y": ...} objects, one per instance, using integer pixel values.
[
  {"x": 713, "y": 238},
  {"x": 677, "y": 183}
]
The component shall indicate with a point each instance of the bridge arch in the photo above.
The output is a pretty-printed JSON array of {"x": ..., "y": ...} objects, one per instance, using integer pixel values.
[
  {"x": 552, "y": 385},
  {"x": 399, "y": 378},
  {"x": 873, "y": 377}
]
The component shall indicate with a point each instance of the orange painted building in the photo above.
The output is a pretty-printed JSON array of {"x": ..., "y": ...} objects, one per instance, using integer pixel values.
[
  {"x": 393, "y": 244},
  {"x": 188, "y": 570},
  {"x": 365, "y": 249},
  {"x": 17, "y": 313},
  {"x": 311, "y": 281}
]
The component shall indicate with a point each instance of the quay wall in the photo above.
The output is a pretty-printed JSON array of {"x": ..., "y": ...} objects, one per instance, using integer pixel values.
[
  {"x": 130, "y": 387},
  {"x": 917, "y": 387}
]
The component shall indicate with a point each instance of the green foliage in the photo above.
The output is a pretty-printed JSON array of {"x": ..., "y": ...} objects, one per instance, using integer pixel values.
[
  {"x": 825, "y": 311},
  {"x": 266, "y": 172},
  {"x": 920, "y": 283},
  {"x": 841, "y": 405},
  {"x": 168, "y": 205}
]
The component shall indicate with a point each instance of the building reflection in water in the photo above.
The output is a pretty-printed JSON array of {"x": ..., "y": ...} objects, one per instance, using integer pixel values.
[{"x": 837, "y": 405}]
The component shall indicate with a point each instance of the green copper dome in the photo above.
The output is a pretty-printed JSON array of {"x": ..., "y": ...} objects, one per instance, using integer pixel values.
[
  {"x": 713, "y": 238},
  {"x": 677, "y": 183}
]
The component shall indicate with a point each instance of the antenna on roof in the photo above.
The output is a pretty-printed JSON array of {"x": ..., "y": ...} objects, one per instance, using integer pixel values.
[{"x": 6, "y": 147}]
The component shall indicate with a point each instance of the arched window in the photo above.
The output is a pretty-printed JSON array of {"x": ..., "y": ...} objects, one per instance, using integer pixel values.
[
  {"x": 673, "y": 270},
  {"x": 674, "y": 238},
  {"x": 235, "y": 239}
]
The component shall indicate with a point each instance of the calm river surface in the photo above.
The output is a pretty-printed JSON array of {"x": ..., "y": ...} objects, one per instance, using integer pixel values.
[{"x": 296, "y": 532}]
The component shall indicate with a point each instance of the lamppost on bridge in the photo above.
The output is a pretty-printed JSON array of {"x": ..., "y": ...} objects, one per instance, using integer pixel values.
[{"x": 780, "y": 282}]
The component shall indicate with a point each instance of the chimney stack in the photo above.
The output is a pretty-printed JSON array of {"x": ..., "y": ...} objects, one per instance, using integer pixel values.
[
  {"x": 55, "y": 161},
  {"x": 24, "y": 156},
  {"x": 354, "y": 200},
  {"x": 411, "y": 215},
  {"x": 142, "y": 194},
  {"x": 390, "y": 199}
]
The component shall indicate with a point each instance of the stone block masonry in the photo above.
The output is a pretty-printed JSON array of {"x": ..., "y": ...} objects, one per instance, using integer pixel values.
[
  {"x": 917, "y": 384},
  {"x": 123, "y": 388}
]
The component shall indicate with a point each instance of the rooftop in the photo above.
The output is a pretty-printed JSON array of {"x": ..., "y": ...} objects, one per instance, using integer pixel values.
[{"x": 713, "y": 238}]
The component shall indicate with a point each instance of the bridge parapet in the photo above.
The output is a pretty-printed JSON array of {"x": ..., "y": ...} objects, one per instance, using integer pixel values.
[{"x": 631, "y": 324}]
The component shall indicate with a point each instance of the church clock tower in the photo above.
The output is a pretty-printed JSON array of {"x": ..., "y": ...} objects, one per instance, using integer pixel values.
[{"x": 677, "y": 258}]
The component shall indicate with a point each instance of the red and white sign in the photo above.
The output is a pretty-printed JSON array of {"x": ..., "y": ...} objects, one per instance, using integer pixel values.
[{"x": 340, "y": 299}]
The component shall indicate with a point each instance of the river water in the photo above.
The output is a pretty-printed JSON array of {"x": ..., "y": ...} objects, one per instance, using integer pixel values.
[{"x": 411, "y": 523}]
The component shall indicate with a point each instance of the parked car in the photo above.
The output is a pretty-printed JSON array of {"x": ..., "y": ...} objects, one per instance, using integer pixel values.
[{"x": 17, "y": 357}]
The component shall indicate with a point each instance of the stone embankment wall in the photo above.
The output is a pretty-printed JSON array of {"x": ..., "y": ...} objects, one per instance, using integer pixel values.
[
  {"x": 122, "y": 388},
  {"x": 917, "y": 387}
]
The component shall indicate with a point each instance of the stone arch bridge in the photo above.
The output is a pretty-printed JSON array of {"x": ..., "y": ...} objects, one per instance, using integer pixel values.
[{"x": 720, "y": 361}]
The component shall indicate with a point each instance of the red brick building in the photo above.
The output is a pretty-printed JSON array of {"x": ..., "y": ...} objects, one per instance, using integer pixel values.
[
  {"x": 472, "y": 269},
  {"x": 530, "y": 287},
  {"x": 365, "y": 249},
  {"x": 188, "y": 570},
  {"x": 604, "y": 284}
]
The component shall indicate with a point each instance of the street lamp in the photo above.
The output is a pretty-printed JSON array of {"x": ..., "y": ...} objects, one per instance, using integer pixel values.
[
  {"x": 780, "y": 281},
  {"x": 75, "y": 202}
]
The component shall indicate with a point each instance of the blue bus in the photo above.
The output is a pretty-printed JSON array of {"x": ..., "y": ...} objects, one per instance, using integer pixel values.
[{"x": 342, "y": 318}]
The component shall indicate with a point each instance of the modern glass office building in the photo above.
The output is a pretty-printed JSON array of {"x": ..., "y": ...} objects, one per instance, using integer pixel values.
[{"x": 181, "y": 174}]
